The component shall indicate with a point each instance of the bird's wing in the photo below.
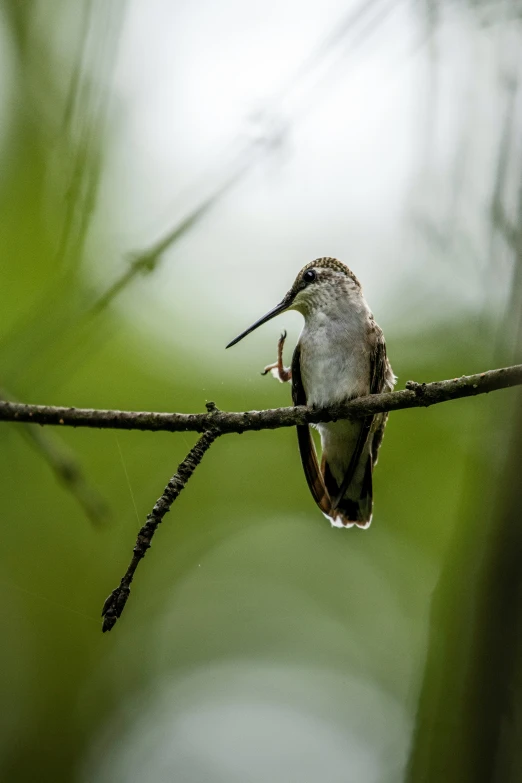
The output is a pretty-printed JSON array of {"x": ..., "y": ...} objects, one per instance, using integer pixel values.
[
  {"x": 379, "y": 370},
  {"x": 354, "y": 461},
  {"x": 306, "y": 444},
  {"x": 378, "y": 363},
  {"x": 378, "y": 367}
]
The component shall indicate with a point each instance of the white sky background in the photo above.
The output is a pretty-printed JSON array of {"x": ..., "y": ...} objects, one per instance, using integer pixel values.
[{"x": 196, "y": 83}]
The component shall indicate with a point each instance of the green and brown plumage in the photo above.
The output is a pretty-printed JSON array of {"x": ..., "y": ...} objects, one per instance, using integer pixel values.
[{"x": 340, "y": 355}]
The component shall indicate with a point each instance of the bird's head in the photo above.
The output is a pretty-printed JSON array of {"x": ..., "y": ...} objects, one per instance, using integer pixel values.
[{"x": 318, "y": 286}]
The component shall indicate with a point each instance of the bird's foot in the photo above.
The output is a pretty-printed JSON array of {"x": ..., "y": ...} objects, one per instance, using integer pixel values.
[{"x": 278, "y": 369}]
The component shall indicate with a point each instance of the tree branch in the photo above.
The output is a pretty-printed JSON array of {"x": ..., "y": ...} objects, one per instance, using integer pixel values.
[
  {"x": 216, "y": 422},
  {"x": 115, "y": 603},
  {"x": 416, "y": 395}
]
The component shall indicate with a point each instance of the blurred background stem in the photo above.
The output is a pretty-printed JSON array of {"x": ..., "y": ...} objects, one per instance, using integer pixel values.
[{"x": 469, "y": 718}]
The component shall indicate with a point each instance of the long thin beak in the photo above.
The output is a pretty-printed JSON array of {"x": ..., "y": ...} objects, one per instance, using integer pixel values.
[{"x": 280, "y": 308}]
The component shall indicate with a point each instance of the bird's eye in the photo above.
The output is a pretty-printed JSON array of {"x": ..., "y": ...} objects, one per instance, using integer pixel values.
[{"x": 309, "y": 276}]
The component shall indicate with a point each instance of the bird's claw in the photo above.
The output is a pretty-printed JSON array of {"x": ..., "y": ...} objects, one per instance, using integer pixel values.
[{"x": 277, "y": 369}]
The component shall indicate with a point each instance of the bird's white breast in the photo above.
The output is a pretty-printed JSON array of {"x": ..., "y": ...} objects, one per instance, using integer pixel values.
[
  {"x": 335, "y": 355},
  {"x": 335, "y": 366}
]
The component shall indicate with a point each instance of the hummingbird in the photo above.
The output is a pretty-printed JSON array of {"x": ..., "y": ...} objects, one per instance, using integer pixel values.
[{"x": 340, "y": 355}]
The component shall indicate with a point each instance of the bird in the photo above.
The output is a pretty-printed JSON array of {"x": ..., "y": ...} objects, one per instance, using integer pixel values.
[{"x": 340, "y": 355}]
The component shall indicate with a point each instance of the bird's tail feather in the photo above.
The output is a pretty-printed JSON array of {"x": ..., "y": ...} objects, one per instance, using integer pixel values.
[{"x": 354, "y": 507}]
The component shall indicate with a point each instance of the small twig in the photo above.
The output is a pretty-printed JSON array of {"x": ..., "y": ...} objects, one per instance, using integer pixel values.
[
  {"x": 147, "y": 260},
  {"x": 115, "y": 603},
  {"x": 416, "y": 395},
  {"x": 68, "y": 472},
  {"x": 65, "y": 467}
]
